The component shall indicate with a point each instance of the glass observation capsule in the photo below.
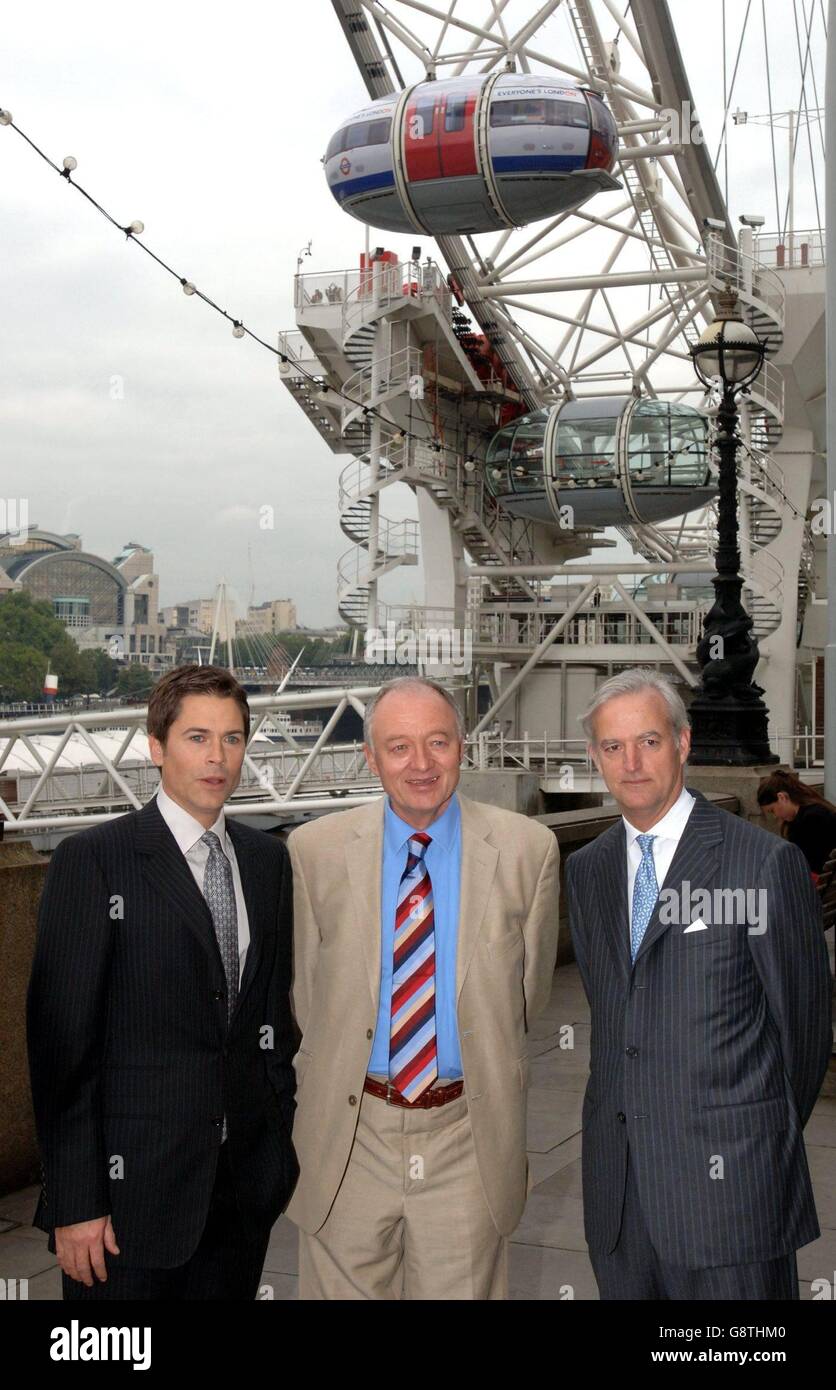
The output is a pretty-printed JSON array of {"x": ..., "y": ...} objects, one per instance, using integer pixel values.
[{"x": 613, "y": 459}]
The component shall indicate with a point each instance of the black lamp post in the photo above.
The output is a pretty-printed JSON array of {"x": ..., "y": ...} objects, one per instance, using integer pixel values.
[{"x": 729, "y": 719}]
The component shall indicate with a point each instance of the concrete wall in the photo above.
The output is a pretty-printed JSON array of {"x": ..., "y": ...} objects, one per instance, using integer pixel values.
[
  {"x": 549, "y": 701},
  {"x": 22, "y": 873},
  {"x": 511, "y": 791}
]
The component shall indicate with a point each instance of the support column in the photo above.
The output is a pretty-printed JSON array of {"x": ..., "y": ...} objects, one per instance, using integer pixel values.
[{"x": 776, "y": 672}]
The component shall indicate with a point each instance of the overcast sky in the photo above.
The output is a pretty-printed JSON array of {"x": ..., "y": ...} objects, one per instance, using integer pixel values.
[{"x": 128, "y": 412}]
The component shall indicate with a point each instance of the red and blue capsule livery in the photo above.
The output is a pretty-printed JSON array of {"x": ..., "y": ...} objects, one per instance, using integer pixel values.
[{"x": 473, "y": 154}]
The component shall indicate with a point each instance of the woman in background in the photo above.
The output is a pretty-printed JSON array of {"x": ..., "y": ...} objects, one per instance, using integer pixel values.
[{"x": 806, "y": 818}]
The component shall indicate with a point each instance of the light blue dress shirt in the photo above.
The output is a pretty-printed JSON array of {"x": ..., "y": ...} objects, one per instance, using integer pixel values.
[{"x": 443, "y": 860}]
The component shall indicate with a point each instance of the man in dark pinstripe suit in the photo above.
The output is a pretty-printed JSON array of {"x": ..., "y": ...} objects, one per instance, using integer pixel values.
[
  {"x": 160, "y": 1032},
  {"x": 699, "y": 941}
]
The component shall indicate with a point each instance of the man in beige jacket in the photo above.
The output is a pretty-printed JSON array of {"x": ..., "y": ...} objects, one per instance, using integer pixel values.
[{"x": 425, "y": 942}]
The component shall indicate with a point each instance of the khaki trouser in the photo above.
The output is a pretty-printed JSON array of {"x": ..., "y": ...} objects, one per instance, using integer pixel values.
[{"x": 410, "y": 1220}]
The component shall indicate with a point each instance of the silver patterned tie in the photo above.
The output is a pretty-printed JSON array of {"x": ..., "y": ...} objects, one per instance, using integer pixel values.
[
  {"x": 645, "y": 893},
  {"x": 219, "y": 892}
]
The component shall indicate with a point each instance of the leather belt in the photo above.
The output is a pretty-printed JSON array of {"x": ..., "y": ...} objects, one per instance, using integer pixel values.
[{"x": 428, "y": 1100}]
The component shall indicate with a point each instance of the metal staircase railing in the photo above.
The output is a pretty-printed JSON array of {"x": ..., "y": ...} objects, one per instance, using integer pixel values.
[
  {"x": 391, "y": 377},
  {"x": 397, "y": 544},
  {"x": 419, "y": 465},
  {"x": 762, "y": 298},
  {"x": 383, "y": 289}
]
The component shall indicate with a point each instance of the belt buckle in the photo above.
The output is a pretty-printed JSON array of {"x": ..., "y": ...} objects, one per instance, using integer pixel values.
[{"x": 389, "y": 1089}]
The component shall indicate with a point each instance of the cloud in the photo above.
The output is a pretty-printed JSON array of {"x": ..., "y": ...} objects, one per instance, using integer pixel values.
[{"x": 127, "y": 410}]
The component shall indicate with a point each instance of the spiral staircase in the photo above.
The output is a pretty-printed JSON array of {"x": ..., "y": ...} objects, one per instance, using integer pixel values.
[
  {"x": 761, "y": 490},
  {"x": 383, "y": 377},
  {"x": 378, "y": 381}
]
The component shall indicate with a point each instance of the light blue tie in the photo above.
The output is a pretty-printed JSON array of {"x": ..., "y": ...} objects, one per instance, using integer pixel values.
[{"x": 645, "y": 893}]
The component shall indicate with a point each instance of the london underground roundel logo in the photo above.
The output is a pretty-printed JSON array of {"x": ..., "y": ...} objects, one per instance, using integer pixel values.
[{"x": 345, "y": 165}]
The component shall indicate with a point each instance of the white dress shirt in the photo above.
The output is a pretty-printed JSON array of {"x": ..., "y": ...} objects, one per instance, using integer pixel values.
[
  {"x": 667, "y": 833},
  {"x": 187, "y": 832}
]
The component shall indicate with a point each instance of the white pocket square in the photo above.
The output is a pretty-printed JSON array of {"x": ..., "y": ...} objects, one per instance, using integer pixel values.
[{"x": 697, "y": 925}]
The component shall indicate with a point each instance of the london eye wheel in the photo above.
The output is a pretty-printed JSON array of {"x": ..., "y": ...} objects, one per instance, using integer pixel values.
[{"x": 554, "y": 156}]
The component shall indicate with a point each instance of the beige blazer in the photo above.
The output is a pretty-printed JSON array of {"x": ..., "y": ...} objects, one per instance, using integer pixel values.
[{"x": 507, "y": 945}]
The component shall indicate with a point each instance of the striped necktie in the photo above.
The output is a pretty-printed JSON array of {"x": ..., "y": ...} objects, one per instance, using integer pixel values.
[{"x": 413, "y": 1059}]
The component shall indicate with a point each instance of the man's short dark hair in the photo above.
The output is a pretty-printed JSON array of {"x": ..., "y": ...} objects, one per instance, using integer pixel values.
[{"x": 167, "y": 695}]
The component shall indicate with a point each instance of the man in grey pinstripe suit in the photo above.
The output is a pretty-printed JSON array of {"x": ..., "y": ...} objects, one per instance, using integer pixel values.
[{"x": 700, "y": 945}]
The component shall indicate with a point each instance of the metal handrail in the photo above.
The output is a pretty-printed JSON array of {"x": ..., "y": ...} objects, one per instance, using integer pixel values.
[
  {"x": 753, "y": 281},
  {"x": 804, "y": 248},
  {"x": 680, "y": 626},
  {"x": 404, "y": 459},
  {"x": 394, "y": 370},
  {"x": 773, "y": 478},
  {"x": 52, "y": 793},
  {"x": 382, "y": 284},
  {"x": 764, "y": 575},
  {"x": 395, "y": 540},
  {"x": 324, "y": 289},
  {"x": 768, "y": 389}
]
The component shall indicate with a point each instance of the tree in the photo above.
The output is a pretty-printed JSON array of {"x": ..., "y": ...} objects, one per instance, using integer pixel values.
[
  {"x": 134, "y": 679},
  {"x": 33, "y": 641},
  {"x": 22, "y": 672}
]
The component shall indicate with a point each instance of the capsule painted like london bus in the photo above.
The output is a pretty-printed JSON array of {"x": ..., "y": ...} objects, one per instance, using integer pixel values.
[{"x": 473, "y": 154}]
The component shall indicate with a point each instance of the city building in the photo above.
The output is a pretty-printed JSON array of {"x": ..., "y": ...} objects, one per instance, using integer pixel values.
[
  {"x": 276, "y": 615},
  {"x": 106, "y": 605},
  {"x": 198, "y": 614}
]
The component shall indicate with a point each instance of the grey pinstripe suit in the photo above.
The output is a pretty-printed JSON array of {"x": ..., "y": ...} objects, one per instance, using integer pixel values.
[{"x": 713, "y": 1044}]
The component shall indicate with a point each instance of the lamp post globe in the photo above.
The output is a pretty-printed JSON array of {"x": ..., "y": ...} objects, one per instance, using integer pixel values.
[
  {"x": 728, "y": 349},
  {"x": 728, "y": 716}
]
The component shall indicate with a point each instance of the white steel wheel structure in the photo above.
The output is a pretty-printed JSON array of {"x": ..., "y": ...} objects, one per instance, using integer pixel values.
[{"x": 574, "y": 316}]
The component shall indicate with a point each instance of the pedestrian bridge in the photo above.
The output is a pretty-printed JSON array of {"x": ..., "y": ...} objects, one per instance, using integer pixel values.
[{"x": 64, "y": 771}]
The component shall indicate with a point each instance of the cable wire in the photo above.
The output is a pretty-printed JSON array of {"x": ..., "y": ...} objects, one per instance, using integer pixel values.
[
  {"x": 239, "y": 327},
  {"x": 771, "y": 125}
]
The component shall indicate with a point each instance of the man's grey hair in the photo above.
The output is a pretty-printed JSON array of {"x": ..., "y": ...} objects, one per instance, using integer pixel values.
[
  {"x": 633, "y": 682},
  {"x": 409, "y": 683}
]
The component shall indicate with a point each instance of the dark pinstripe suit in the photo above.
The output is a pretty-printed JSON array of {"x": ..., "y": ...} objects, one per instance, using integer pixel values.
[
  {"x": 129, "y": 1049},
  {"x": 713, "y": 1044}
]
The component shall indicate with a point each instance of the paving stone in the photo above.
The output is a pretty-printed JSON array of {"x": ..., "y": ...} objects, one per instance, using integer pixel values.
[
  {"x": 282, "y": 1287},
  {"x": 553, "y": 1217},
  {"x": 821, "y": 1126},
  {"x": 822, "y": 1161},
  {"x": 568, "y": 1003},
  {"x": 283, "y": 1251},
  {"x": 560, "y": 1070},
  {"x": 540, "y": 1273},
  {"x": 828, "y": 1089},
  {"x": 818, "y": 1259},
  {"x": 538, "y": 1046},
  {"x": 553, "y": 1116},
  {"x": 47, "y": 1285},
  {"x": 20, "y": 1206},
  {"x": 24, "y": 1253},
  {"x": 542, "y": 1166}
]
